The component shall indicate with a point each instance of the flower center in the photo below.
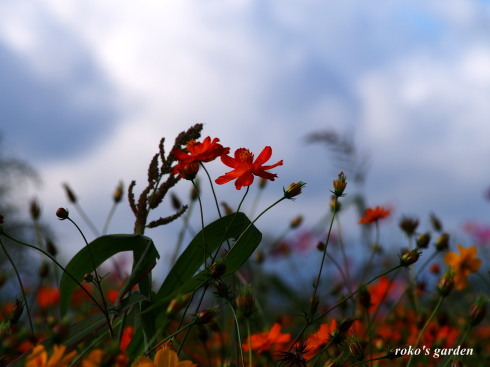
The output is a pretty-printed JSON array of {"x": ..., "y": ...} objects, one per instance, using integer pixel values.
[{"x": 245, "y": 155}]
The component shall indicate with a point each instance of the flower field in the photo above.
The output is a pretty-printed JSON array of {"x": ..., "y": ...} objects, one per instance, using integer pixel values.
[{"x": 422, "y": 304}]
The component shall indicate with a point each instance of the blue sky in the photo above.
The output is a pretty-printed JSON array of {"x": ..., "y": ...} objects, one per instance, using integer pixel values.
[{"x": 89, "y": 87}]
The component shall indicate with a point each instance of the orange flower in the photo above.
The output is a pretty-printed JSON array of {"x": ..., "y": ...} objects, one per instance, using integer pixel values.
[
  {"x": 382, "y": 291},
  {"x": 318, "y": 340},
  {"x": 267, "y": 341},
  {"x": 126, "y": 337},
  {"x": 39, "y": 357},
  {"x": 48, "y": 296},
  {"x": 163, "y": 358},
  {"x": 373, "y": 215},
  {"x": 198, "y": 152},
  {"x": 245, "y": 167},
  {"x": 463, "y": 265}
]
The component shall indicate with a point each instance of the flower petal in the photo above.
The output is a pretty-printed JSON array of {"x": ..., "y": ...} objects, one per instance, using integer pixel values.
[{"x": 264, "y": 156}]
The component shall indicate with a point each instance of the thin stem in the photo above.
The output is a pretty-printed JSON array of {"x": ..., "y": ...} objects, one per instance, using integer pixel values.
[
  {"x": 238, "y": 332},
  {"x": 425, "y": 327},
  {"x": 426, "y": 262},
  {"x": 86, "y": 219},
  {"x": 250, "y": 364},
  {"x": 21, "y": 286},
  {"x": 202, "y": 223},
  {"x": 109, "y": 218},
  {"x": 212, "y": 188}
]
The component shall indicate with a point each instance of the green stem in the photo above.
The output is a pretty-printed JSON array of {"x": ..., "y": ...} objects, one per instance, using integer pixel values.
[
  {"x": 238, "y": 332},
  {"x": 21, "y": 286},
  {"x": 86, "y": 219},
  {"x": 309, "y": 317},
  {"x": 212, "y": 188},
  {"x": 109, "y": 218},
  {"x": 425, "y": 327},
  {"x": 202, "y": 222}
]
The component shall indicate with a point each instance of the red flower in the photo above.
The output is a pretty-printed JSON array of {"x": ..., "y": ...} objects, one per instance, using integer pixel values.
[
  {"x": 245, "y": 167},
  {"x": 48, "y": 296},
  {"x": 373, "y": 215},
  {"x": 127, "y": 336},
  {"x": 198, "y": 152},
  {"x": 267, "y": 341}
]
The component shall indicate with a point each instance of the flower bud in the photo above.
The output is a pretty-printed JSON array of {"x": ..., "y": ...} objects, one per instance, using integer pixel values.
[
  {"x": 262, "y": 183},
  {"x": 177, "y": 304},
  {"x": 456, "y": 363},
  {"x": 409, "y": 257},
  {"x": 477, "y": 312},
  {"x": 293, "y": 189},
  {"x": 176, "y": 204},
  {"x": 69, "y": 193},
  {"x": 217, "y": 269},
  {"x": 356, "y": 348},
  {"x": 296, "y": 222},
  {"x": 222, "y": 290},
  {"x": 442, "y": 243},
  {"x": 446, "y": 283},
  {"x": 195, "y": 190},
  {"x": 35, "y": 210},
  {"x": 435, "y": 268},
  {"x": 88, "y": 278},
  {"x": 245, "y": 302},
  {"x": 423, "y": 240},
  {"x": 51, "y": 248},
  {"x": 43, "y": 270},
  {"x": 436, "y": 223},
  {"x": 62, "y": 213},
  {"x": 409, "y": 225},
  {"x": 339, "y": 185},
  {"x": 16, "y": 312},
  {"x": 320, "y": 246},
  {"x": 206, "y": 316},
  {"x": 118, "y": 193},
  {"x": 226, "y": 207}
]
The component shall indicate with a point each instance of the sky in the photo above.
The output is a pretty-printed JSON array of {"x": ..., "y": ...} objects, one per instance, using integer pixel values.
[{"x": 89, "y": 88}]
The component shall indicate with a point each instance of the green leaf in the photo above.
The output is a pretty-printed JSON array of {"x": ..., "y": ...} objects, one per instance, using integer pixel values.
[
  {"x": 182, "y": 278},
  {"x": 101, "y": 249}
]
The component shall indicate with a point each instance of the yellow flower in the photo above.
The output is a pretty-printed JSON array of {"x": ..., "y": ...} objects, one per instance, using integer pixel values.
[
  {"x": 163, "y": 358},
  {"x": 39, "y": 357},
  {"x": 463, "y": 264}
]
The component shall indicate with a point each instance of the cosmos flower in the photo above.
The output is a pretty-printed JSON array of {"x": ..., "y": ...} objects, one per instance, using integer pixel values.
[
  {"x": 373, "y": 215},
  {"x": 463, "y": 264},
  {"x": 245, "y": 167},
  {"x": 39, "y": 357},
  {"x": 163, "y": 358}
]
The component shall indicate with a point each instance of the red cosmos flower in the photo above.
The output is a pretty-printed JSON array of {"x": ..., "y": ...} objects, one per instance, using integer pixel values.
[
  {"x": 320, "y": 338},
  {"x": 48, "y": 296},
  {"x": 267, "y": 341},
  {"x": 198, "y": 152},
  {"x": 373, "y": 215},
  {"x": 244, "y": 167}
]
